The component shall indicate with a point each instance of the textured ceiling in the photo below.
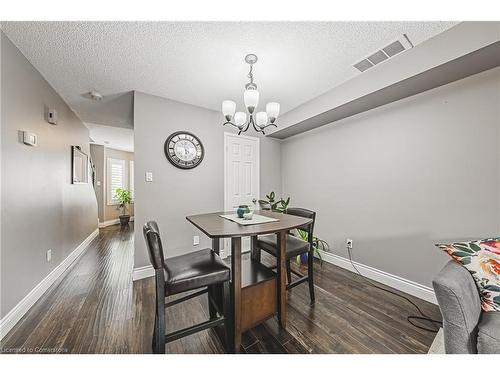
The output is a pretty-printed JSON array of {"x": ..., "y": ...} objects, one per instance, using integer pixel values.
[{"x": 200, "y": 63}]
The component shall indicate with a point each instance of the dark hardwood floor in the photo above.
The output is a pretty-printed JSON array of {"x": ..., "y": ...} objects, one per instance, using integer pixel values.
[{"x": 96, "y": 308}]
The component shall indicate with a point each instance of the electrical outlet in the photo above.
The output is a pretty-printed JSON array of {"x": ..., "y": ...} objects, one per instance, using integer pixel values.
[
  {"x": 49, "y": 255},
  {"x": 196, "y": 240},
  {"x": 348, "y": 243}
]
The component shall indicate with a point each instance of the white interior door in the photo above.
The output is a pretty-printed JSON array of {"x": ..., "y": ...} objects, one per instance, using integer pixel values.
[{"x": 241, "y": 176}]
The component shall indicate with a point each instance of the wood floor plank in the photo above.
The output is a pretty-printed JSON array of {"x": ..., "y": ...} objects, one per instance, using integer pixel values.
[{"x": 94, "y": 307}]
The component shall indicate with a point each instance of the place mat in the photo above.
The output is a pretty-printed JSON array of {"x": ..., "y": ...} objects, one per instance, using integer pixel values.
[{"x": 256, "y": 219}]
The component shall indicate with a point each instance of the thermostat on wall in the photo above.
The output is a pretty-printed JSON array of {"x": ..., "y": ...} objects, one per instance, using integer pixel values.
[{"x": 29, "y": 139}]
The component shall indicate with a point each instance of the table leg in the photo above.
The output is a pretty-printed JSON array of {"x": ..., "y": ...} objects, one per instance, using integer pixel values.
[
  {"x": 281, "y": 270},
  {"x": 217, "y": 292},
  {"x": 216, "y": 245},
  {"x": 255, "y": 253},
  {"x": 236, "y": 291}
]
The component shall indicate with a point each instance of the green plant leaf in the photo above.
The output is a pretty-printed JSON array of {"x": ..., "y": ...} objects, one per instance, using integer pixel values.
[
  {"x": 496, "y": 300},
  {"x": 465, "y": 261},
  {"x": 475, "y": 247},
  {"x": 492, "y": 288},
  {"x": 463, "y": 248}
]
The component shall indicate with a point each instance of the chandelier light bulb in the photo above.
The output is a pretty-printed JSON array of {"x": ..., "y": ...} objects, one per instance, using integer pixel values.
[
  {"x": 240, "y": 118},
  {"x": 261, "y": 118},
  {"x": 251, "y": 99},
  {"x": 273, "y": 111},
  {"x": 228, "y": 109}
]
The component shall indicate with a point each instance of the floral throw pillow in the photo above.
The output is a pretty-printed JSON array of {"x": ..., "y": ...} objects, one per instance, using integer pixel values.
[{"x": 482, "y": 259}]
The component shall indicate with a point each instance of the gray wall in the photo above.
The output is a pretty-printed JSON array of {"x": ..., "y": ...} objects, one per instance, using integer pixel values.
[
  {"x": 41, "y": 209},
  {"x": 176, "y": 193},
  {"x": 399, "y": 178},
  {"x": 97, "y": 152}
]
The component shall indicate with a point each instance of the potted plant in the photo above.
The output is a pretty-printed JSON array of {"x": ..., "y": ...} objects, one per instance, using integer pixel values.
[
  {"x": 270, "y": 203},
  {"x": 124, "y": 198},
  {"x": 318, "y": 244},
  {"x": 273, "y": 205}
]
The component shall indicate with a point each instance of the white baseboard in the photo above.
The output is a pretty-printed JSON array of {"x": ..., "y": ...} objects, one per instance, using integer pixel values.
[
  {"x": 415, "y": 289},
  {"x": 107, "y": 223},
  {"x": 14, "y": 315},
  {"x": 143, "y": 273}
]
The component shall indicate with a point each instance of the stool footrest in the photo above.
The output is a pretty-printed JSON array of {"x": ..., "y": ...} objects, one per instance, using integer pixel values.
[
  {"x": 297, "y": 282},
  {"x": 194, "y": 329},
  {"x": 185, "y": 298}
]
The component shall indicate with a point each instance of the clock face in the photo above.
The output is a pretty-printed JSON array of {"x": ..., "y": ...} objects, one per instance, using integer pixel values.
[{"x": 184, "y": 150}]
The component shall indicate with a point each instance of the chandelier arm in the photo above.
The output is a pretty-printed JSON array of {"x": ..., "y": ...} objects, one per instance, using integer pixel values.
[
  {"x": 248, "y": 124},
  {"x": 268, "y": 125},
  {"x": 236, "y": 126},
  {"x": 253, "y": 123},
  {"x": 256, "y": 127}
]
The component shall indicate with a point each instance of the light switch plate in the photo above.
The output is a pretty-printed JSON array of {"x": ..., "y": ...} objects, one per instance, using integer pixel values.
[
  {"x": 196, "y": 240},
  {"x": 29, "y": 139},
  {"x": 49, "y": 255},
  {"x": 149, "y": 176}
]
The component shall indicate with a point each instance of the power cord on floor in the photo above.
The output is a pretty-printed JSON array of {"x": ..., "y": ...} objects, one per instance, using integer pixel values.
[{"x": 422, "y": 317}]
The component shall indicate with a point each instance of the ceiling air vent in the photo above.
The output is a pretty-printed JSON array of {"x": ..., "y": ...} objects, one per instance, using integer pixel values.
[
  {"x": 378, "y": 57},
  {"x": 385, "y": 53},
  {"x": 393, "y": 48},
  {"x": 363, "y": 65}
]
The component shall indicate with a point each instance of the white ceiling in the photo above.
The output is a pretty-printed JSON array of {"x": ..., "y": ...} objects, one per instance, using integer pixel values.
[
  {"x": 200, "y": 63},
  {"x": 111, "y": 136}
]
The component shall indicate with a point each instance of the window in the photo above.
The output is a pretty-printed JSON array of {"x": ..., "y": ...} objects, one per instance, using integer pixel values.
[
  {"x": 116, "y": 178},
  {"x": 131, "y": 179}
]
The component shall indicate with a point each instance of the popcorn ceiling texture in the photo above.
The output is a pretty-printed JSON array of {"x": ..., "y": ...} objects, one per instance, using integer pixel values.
[{"x": 199, "y": 63}]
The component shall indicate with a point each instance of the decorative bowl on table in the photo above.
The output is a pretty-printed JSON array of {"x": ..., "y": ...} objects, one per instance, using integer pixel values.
[
  {"x": 248, "y": 215},
  {"x": 242, "y": 209}
]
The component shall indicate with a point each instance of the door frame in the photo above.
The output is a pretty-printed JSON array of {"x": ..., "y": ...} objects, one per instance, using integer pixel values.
[{"x": 224, "y": 251}]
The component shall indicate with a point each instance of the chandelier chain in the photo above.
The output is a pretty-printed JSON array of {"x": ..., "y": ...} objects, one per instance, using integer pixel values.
[{"x": 250, "y": 74}]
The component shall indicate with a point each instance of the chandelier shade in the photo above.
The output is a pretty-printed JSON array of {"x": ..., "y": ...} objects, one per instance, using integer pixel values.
[
  {"x": 240, "y": 118},
  {"x": 251, "y": 99},
  {"x": 228, "y": 109},
  {"x": 251, "y": 95},
  {"x": 273, "y": 110},
  {"x": 261, "y": 118}
]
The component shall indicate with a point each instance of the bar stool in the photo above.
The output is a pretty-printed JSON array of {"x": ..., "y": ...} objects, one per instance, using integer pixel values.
[
  {"x": 294, "y": 247},
  {"x": 200, "y": 269}
]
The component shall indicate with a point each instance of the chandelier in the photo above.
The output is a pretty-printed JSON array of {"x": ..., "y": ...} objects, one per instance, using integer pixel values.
[{"x": 262, "y": 120}]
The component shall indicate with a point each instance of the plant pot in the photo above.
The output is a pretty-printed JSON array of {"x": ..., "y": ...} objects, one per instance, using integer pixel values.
[
  {"x": 124, "y": 220},
  {"x": 303, "y": 258}
]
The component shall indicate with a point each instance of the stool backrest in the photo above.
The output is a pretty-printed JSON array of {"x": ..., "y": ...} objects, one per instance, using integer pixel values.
[
  {"x": 304, "y": 212},
  {"x": 153, "y": 243}
]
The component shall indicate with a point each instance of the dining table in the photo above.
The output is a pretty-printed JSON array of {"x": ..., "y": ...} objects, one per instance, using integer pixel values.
[{"x": 256, "y": 292}]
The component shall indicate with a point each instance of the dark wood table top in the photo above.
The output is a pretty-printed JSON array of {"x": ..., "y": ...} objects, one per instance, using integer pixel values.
[{"x": 215, "y": 226}]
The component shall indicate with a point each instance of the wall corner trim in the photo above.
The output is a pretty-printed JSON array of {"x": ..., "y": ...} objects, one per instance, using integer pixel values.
[
  {"x": 14, "y": 315},
  {"x": 415, "y": 289},
  {"x": 143, "y": 273}
]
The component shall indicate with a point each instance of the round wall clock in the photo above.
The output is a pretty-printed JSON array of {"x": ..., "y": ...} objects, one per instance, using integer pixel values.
[{"x": 184, "y": 150}]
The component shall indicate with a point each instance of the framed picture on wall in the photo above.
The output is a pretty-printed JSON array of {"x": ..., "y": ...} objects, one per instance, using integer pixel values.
[{"x": 79, "y": 166}]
